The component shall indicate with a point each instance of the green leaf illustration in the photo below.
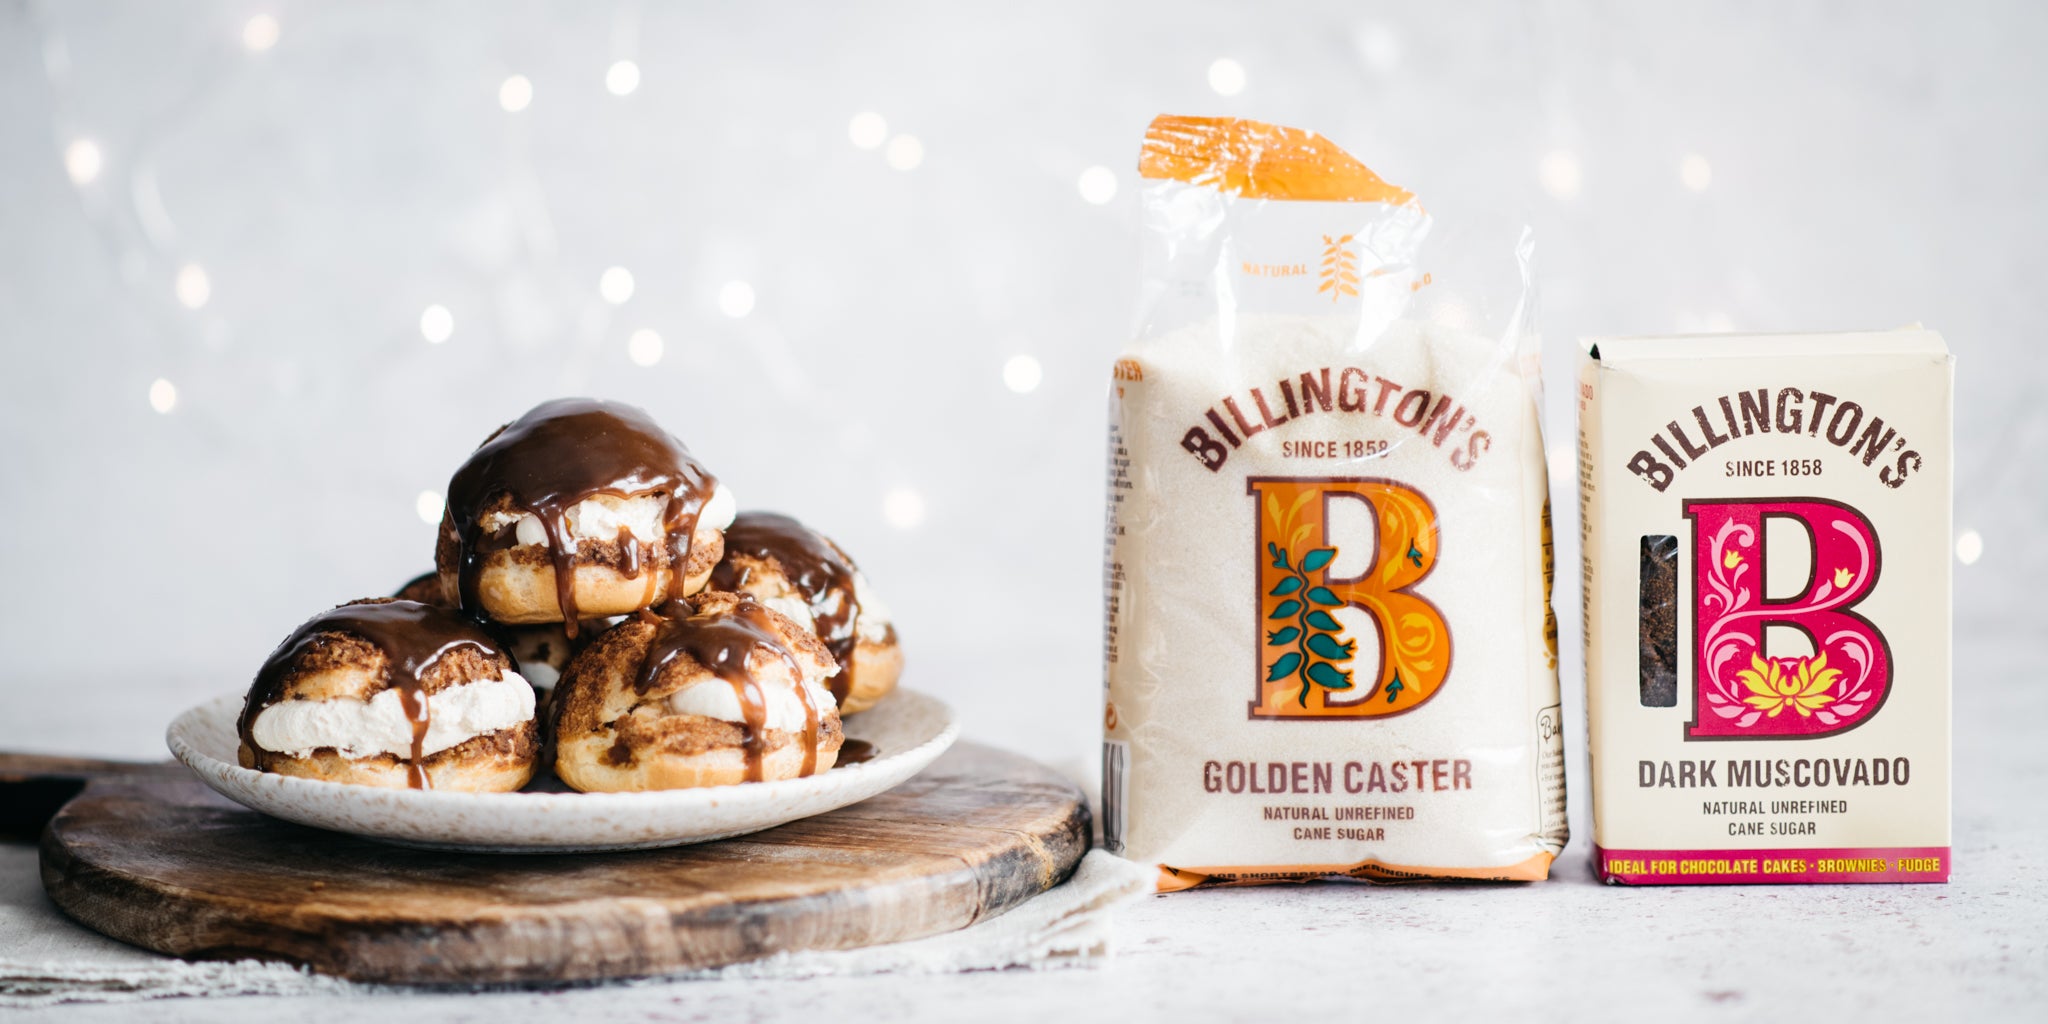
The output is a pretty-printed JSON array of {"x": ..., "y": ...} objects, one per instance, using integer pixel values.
[
  {"x": 1327, "y": 676},
  {"x": 1414, "y": 555},
  {"x": 1394, "y": 688},
  {"x": 1322, "y": 644},
  {"x": 1320, "y": 625}
]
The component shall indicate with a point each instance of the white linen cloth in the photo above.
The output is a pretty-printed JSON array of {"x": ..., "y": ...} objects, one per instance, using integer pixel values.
[{"x": 46, "y": 958}]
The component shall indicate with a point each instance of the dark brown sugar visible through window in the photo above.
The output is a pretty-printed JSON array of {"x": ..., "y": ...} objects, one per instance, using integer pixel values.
[{"x": 1658, "y": 622}]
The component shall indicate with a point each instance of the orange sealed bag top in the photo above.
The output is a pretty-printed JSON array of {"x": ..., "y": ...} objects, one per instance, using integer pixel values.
[{"x": 1329, "y": 644}]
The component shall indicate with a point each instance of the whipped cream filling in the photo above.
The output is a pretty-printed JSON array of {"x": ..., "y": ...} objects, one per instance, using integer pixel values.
[
  {"x": 595, "y": 519},
  {"x": 719, "y": 511},
  {"x": 359, "y": 728},
  {"x": 543, "y": 652},
  {"x": 715, "y": 698},
  {"x": 798, "y": 610},
  {"x": 542, "y": 675},
  {"x": 873, "y": 623}
]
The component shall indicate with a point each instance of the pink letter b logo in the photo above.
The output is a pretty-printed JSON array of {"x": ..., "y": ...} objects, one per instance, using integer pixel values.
[{"x": 1739, "y": 690}]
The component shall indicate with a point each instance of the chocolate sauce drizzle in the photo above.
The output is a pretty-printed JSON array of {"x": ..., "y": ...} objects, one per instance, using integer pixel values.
[
  {"x": 552, "y": 459},
  {"x": 412, "y": 636},
  {"x": 815, "y": 566},
  {"x": 724, "y": 643},
  {"x": 426, "y": 589}
]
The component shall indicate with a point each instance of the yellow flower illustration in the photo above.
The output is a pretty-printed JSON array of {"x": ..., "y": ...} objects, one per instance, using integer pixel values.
[
  {"x": 1842, "y": 578},
  {"x": 1732, "y": 560},
  {"x": 1805, "y": 691}
]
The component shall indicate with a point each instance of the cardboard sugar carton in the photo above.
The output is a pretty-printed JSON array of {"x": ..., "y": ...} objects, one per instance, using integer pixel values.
[{"x": 1767, "y": 604}]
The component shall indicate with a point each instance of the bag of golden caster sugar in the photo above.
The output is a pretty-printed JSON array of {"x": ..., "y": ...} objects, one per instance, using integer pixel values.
[{"x": 1329, "y": 644}]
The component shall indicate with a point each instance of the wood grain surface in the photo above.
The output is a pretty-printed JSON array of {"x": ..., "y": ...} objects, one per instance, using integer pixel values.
[
  {"x": 34, "y": 786},
  {"x": 170, "y": 866}
]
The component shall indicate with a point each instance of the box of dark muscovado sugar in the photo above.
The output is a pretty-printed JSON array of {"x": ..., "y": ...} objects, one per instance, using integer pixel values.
[{"x": 1766, "y": 525}]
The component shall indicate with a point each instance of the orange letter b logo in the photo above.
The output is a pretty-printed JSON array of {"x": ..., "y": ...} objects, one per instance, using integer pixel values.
[{"x": 1308, "y": 666}]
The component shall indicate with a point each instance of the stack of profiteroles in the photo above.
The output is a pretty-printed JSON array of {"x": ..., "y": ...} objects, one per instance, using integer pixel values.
[{"x": 599, "y": 603}]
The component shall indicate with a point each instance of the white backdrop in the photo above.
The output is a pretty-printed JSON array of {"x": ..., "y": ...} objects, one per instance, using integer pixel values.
[{"x": 230, "y": 231}]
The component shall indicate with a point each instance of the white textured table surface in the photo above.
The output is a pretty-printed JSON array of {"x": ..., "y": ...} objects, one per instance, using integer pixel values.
[{"x": 1569, "y": 949}]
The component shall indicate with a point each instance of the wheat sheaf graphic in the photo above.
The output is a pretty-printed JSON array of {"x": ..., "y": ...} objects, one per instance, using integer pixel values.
[{"x": 1340, "y": 268}]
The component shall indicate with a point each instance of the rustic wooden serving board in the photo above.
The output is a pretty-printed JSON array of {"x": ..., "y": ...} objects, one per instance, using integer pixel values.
[{"x": 168, "y": 865}]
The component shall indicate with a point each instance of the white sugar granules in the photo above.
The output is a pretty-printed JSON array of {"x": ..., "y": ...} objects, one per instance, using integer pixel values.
[{"x": 1329, "y": 648}]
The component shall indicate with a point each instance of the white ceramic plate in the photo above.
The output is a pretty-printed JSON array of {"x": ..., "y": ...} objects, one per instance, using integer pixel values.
[{"x": 909, "y": 730}]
